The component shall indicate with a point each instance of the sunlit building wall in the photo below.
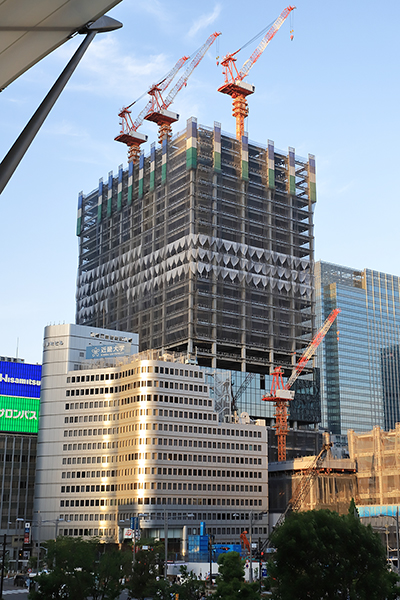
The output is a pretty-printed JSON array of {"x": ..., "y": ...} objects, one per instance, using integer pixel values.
[{"x": 140, "y": 437}]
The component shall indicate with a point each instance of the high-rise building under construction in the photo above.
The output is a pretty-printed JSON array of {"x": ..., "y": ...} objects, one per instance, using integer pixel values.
[{"x": 206, "y": 247}]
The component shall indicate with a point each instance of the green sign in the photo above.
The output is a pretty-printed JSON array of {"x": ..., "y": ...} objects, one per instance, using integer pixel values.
[{"x": 19, "y": 415}]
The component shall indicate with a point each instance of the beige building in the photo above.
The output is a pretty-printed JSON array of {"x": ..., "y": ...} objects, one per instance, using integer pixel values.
[
  {"x": 138, "y": 436},
  {"x": 377, "y": 455}
]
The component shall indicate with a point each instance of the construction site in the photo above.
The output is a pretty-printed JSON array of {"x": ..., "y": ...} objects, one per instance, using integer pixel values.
[{"x": 205, "y": 246}]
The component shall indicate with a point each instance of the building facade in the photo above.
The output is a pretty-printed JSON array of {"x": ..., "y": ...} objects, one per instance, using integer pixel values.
[
  {"x": 359, "y": 361},
  {"x": 19, "y": 422},
  {"x": 138, "y": 436},
  {"x": 205, "y": 248}
]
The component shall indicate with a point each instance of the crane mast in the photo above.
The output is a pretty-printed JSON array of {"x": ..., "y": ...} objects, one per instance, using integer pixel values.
[
  {"x": 156, "y": 108},
  {"x": 129, "y": 134},
  {"x": 281, "y": 394},
  {"x": 234, "y": 85},
  {"x": 160, "y": 115}
]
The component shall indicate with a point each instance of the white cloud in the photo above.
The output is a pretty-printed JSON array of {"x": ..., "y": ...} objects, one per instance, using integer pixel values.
[
  {"x": 156, "y": 9},
  {"x": 204, "y": 21},
  {"x": 112, "y": 69}
]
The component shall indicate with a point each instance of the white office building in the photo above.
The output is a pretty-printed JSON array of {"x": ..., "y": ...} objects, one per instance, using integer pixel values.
[{"x": 137, "y": 435}]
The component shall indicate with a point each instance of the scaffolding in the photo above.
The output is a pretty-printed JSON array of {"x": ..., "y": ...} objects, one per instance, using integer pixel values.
[
  {"x": 206, "y": 248},
  {"x": 332, "y": 487},
  {"x": 377, "y": 454}
]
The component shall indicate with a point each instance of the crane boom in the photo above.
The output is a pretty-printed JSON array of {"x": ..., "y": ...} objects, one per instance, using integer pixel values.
[
  {"x": 265, "y": 41},
  {"x": 312, "y": 348},
  {"x": 302, "y": 488},
  {"x": 160, "y": 115},
  {"x": 190, "y": 68},
  {"x": 281, "y": 394},
  {"x": 234, "y": 85},
  {"x": 128, "y": 134}
]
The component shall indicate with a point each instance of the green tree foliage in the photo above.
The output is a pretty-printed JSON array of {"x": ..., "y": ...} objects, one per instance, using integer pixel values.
[
  {"x": 189, "y": 587},
  {"x": 320, "y": 554},
  {"x": 143, "y": 581},
  {"x": 81, "y": 569},
  {"x": 109, "y": 575},
  {"x": 353, "y": 510},
  {"x": 230, "y": 581}
]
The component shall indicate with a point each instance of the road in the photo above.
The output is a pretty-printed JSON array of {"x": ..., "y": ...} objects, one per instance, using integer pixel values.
[
  {"x": 13, "y": 592},
  {"x": 9, "y": 591}
]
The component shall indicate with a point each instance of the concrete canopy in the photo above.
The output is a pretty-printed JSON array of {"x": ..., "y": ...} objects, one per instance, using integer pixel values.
[{"x": 29, "y": 30}]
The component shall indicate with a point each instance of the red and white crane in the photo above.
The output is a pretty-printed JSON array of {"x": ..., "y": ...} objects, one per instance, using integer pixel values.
[
  {"x": 234, "y": 85},
  {"x": 281, "y": 393},
  {"x": 156, "y": 109},
  {"x": 129, "y": 134}
]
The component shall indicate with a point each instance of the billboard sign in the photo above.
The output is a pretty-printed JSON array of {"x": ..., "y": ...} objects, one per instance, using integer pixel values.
[
  {"x": 108, "y": 350},
  {"x": 128, "y": 534},
  {"x": 19, "y": 397}
]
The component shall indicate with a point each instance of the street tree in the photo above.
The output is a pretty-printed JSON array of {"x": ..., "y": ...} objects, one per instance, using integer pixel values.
[
  {"x": 319, "y": 554},
  {"x": 189, "y": 586},
  {"x": 231, "y": 584},
  {"x": 143, "y": 581},
  {"x": 81, "y": 569}
]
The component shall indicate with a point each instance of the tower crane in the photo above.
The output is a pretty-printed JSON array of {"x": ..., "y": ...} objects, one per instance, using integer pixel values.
[
  {"x": 156, "y": 109},
  {"x": 129, "y": 134},
  {"x": 234, "y": 85},
  {"x": 281, "y": 394}
]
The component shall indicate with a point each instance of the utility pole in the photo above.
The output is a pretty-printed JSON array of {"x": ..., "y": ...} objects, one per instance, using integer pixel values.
[
  {"x": 166, "y": 545},
  {"x": 2, "y": 565},
  {"x": 210, "y": 547},
  {"x": 39, "y": 523},
  {"x": 251, "y": 549}
]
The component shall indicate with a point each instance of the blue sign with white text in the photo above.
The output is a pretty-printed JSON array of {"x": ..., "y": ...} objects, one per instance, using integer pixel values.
[
  {"x": 108, "y": 350},
  {"x": 20, "y": 379}
]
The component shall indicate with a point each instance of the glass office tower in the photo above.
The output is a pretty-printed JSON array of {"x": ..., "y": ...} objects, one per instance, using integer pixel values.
[{"x": 359, "y": 361}]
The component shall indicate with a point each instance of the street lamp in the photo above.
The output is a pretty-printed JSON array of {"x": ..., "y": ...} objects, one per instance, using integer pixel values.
[
  {"x": 18, "y": 520},
  {"x": 166, "y": 545},
  {"x": 39, "y": 524},
  {"x": 251, "y": 547}
]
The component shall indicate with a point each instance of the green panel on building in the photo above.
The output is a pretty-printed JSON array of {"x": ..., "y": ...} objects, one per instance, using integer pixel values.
[
  {"x": 217, "y": 161},
  {"x": 271, "y": 179},
  {"x": 191, "y": 158}
]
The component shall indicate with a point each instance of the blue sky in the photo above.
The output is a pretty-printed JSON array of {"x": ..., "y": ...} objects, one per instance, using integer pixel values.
[{"x": 333, "y": 92}]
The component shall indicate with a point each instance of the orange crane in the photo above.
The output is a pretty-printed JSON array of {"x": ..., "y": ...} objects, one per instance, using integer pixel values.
[
  {"x": 156, "y": 109},
  {"x": 129, "y": 134},
  {"x": 244, "y": 541},
  {"x": 281, "y": 394},
  {"x": 234, "y": 85}
]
